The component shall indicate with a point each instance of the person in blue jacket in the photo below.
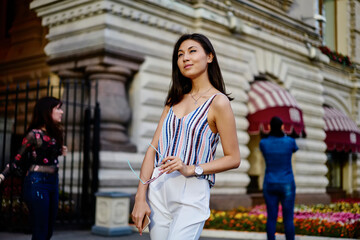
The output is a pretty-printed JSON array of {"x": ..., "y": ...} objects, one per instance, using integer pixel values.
[{"x": 279, "y": 184}]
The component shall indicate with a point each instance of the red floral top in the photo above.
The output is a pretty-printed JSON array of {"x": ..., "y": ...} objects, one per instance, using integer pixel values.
[{"x": 40, "y": 148}]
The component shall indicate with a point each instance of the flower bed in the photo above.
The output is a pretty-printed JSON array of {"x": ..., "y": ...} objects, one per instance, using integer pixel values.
[
  {"x": 339, "y": 219},
  {"x": 13, "y": 211}
]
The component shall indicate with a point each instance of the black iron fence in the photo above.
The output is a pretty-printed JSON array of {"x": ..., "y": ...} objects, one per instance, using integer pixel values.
[{"x": 78, "y": 172}]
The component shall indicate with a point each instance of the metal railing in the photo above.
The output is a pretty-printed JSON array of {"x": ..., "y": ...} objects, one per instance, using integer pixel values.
[{"x": 78, "y": 170}]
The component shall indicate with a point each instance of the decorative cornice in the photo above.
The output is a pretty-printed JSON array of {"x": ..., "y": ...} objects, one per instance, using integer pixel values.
[
  {"x": 278, "y": 27},
  {"x": 97, "y": 8},
  {"x": 281, "y": 4},
  {"x": 221, "y": 9},
  {"x": 105, "y": 55},
  {"x": 335, "y": 70}
]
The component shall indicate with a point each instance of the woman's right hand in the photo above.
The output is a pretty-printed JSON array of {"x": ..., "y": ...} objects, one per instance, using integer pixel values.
[{"x": 141, "y": 208}]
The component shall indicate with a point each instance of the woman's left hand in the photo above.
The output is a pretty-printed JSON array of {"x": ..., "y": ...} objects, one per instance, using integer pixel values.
[
  {"x": 64, "y": 150},
  {"x": 173, "y": 163},
  {"x": 2, "y": 178}
]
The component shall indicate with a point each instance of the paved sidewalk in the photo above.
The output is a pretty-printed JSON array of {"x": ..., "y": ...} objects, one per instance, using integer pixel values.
[
  {"x": 83, "y": 235},
  {"x": 206, "y": 235}
]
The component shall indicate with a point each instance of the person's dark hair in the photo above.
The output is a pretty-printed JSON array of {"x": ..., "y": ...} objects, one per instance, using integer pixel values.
[
  {"x": 275, "y": 127},
  {"x": 181, "y": 85},
  {"x": 42, "y": 117}
]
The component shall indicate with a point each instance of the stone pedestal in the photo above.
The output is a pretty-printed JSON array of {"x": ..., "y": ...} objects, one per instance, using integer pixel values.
[{"x": 112, "y": 214}]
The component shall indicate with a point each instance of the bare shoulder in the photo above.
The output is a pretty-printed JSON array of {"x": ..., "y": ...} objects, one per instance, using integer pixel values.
[
  {"x": 166, "y": 109},
  {"x": 221, "y": 103},
  {"x": 220, "y": 112},
  {"x": 165, "y": 112}
]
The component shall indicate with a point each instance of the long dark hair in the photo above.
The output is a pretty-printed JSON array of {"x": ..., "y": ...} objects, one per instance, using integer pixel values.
[
  {"x": 181, "y": 85},
  {"x": 275, "y": 127},
  {"x": 42, "y": 117}
]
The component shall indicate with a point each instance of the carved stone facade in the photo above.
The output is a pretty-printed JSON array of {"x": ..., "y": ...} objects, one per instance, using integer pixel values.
[
  {"x": 81, "y": 41},
  {"x": 126, "y": 47},
  {"x": 354, "y": 9},
  {"x": 281, "y": 4}
]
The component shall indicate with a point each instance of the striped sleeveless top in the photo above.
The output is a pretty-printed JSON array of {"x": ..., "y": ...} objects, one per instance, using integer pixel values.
[{"x": 189, "y": 138}]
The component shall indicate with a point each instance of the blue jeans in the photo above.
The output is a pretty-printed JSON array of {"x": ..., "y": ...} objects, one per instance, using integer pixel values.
[
  {"x": 284, "y": 193},
  {"x": 41, "y": 194}
]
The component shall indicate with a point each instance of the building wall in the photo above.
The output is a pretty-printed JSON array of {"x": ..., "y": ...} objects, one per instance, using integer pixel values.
[
  {"x": 250, "y": 37},
  {"x": 241, "y": 56},
  {"x": 354, "y": 31},
  {"x": 356, "y": 177},
  {"x": 343, "y": 20}
]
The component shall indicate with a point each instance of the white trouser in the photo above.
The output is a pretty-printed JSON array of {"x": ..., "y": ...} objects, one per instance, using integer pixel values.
[{"x": 179, "y": 206}]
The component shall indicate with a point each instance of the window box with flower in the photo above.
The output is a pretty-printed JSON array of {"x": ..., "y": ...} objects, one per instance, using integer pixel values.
[{"x": 336, "y": 57}]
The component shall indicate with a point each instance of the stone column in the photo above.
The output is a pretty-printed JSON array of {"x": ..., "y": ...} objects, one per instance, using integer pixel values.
[
  {"x": 109, "y": 71},
  {"x": 86, "y": 36},
  {"x": 115, "y": 109}
]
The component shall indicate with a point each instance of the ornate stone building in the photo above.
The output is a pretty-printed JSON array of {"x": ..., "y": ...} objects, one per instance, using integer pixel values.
[{"x": 127, "y": 45}]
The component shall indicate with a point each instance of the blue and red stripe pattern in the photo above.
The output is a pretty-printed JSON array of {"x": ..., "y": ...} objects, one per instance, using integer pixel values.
[{"x": 189, "y": 138}]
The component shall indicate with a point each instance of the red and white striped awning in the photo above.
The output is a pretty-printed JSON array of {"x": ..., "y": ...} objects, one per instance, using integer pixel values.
[
  {"x": 342, "y": 133},
  {"x": 266, "y": 100}
]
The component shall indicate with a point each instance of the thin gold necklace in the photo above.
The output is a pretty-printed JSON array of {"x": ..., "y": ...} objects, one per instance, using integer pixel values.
[{"x": 196, "y": 99}]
